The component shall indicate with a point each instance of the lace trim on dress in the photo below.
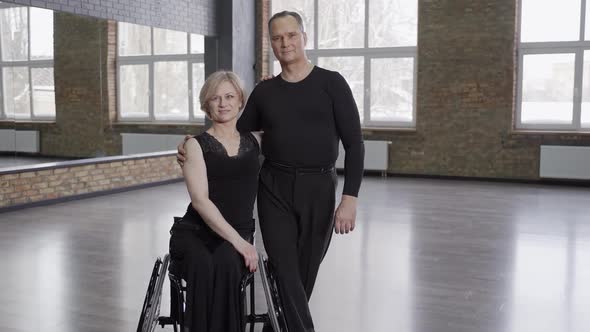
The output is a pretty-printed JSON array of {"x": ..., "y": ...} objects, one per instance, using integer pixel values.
[{"x": 210, "y": 144}]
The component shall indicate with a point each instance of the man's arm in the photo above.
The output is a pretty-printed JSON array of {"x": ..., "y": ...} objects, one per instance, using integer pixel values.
[
  {"x": 250, "y": 118},
  {"x": 349, "y": 128}
]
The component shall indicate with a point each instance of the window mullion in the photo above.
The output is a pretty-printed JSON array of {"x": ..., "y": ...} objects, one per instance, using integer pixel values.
[
  {"x": 578, "y": 106},
  {"x": 31, "y": 107},
  {"x": 367, "y": 69},
  {"x": 3, "y": 113},
  {"x": 31, "y": 103},
  {"x": 152, "y": 94},
  {"x": 519, "y": 89},
  {"x": 316, "y": 22},
  {"x": 583, "y": 21},
  {"x": 578, "y": 91},
  {"x": 191, "y": 98},
  {"x": 366, "y": 38},
  {"x": 118, "y": 82},
  {"x": 367, "y": 92},
  {"x": 189, "y": 68}
]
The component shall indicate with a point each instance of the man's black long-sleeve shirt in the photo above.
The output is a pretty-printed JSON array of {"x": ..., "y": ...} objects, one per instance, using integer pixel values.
[{"x": 303, "y": 121}]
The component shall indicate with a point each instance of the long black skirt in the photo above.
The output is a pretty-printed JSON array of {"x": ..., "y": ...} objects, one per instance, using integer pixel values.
[{"x": 212, "y": 269}]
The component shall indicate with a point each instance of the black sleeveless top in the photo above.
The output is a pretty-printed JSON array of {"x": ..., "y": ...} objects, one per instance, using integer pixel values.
[{"x": 233, "y": 181}]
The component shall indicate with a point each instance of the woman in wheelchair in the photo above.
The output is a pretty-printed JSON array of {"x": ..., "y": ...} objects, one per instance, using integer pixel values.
[{"x": 211, "y": 247}]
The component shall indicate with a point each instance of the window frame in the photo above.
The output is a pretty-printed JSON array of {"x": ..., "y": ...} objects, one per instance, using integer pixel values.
[
  {"x": 576, "y": 48},
  {"x": 368, "y": 53},
  {"x": 29, "y": 64},
  {"x": 150, "y": 60}
]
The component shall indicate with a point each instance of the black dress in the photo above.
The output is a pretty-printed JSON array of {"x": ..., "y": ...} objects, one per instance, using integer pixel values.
[{"x": 210, "y": 265}]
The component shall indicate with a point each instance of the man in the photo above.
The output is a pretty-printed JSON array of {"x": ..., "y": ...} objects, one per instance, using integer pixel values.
[{"x": 303, "y": 113}]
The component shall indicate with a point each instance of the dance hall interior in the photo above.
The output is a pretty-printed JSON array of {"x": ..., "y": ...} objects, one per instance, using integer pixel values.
[{"x": 473, "y": 213}]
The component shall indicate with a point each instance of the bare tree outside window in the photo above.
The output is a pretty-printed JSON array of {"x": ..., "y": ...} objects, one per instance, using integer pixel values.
[
  {"x": 26, "y": 63},
  {"x": 171, "y": 90},
  {"x": 198, "y": 81},
  {"x": 351, "y": 68},
  {"x": 393, "y": 23},
  {"x": 15, "y": 40},
  {"x": 585, "y": 116},
  {"x": 169, "y": 41},
  {"x": 162, "y": 84},
  {"x": 17, "y": 101},
  {"x": 43, "y": 92},
  {"x": 341, "y": 23},
  {"x": 134, "y": 90},
  {"x": 134, "y": 40},
  {"x": 392, "y": 86}
]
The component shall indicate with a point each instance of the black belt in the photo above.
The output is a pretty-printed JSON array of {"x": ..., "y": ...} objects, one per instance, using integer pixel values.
[{"x": 299, "y": 170}]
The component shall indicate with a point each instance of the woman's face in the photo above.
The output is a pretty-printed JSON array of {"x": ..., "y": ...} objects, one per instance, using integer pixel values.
[{"x": 225, "y": 104}]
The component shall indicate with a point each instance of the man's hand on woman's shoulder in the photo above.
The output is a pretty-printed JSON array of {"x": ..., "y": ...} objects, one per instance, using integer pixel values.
[{"x": 181, "y": 155}]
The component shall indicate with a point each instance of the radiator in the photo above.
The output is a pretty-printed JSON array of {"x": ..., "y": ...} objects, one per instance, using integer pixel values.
[
  {"x": 376, "y": 156},
  {"x": 565, "y": 162},
  {"x": 7, "y": 140},
  {"x": 19, "y": 140},
  {"x": 145, "y": 143},
  {"x": 376, "y": 152}
]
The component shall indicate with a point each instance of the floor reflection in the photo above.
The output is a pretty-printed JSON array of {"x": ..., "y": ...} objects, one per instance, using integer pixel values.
[
  {"x": 551, "y": 289},
  {"x": 426, "y": 256}
]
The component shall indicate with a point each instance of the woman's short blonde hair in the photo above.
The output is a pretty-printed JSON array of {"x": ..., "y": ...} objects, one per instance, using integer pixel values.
[{"x": 213, "y": 82}]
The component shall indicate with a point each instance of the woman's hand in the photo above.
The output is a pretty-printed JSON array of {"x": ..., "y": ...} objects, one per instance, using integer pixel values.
[{"x": 248, "y": 251}]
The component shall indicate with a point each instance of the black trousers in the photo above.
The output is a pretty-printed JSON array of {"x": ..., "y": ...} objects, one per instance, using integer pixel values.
[
  {"x": 213, "y": 269},
  {"x": 296, "y": 209}
]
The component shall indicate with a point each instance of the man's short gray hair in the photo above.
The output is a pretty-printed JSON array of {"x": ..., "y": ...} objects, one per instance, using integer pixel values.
[{"x": 286, "y": 13}]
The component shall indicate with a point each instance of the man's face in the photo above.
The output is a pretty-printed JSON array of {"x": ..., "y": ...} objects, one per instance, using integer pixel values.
[{"x": 287, "y": 40}]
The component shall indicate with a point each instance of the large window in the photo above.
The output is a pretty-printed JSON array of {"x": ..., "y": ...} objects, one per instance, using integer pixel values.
[
  {"x": 554, "y": 65},
  {"x": 160, "y": 74},
  {"x": 373, "y": 45},
  {"x": 26, "y": 63}
]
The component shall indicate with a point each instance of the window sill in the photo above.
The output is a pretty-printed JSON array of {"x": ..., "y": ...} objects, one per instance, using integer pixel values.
[
  {"x": 387, "y": 130},
  {"x": 522, "y": 132},
  {"x": 158, "y": 124}
]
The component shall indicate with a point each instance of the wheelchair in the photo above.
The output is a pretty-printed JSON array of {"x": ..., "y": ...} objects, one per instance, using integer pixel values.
[{"x": 150, "y": 315}]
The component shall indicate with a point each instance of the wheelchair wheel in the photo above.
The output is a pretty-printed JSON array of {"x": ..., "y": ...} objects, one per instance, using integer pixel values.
[
  {"x": 151, "y": 304},
  {"x": 273, "y": 300}
]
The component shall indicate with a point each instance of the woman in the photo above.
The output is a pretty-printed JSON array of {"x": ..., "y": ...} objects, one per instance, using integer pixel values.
[{"x": 211, "y": 246}]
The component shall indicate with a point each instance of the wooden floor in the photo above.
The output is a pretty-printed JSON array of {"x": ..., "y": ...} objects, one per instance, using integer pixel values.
[{"x": 427, "y": 256}]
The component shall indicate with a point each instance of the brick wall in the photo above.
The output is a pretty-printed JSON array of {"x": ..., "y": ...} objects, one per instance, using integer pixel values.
[
  {"x": 110, "y": 174},
  {"x": 196, "y": 16},
  {"x": 466, "y": 96},
  {"x": 262, "y": 41},
  {"x": 82, "y": 123}
]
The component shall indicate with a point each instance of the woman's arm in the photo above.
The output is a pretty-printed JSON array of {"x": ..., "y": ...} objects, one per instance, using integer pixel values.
[{"x": 195, "y": 177}]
